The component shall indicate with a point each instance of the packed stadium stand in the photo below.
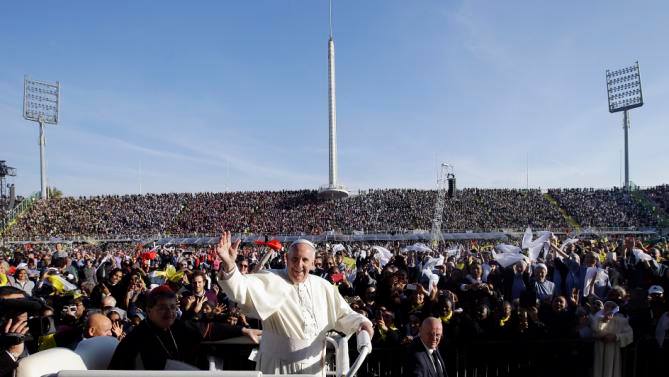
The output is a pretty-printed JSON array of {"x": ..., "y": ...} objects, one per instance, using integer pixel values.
[
  {"x": 602, "y": 208},
  {"x": 301, "y": 212},
  {"x": 659, "y": 195}
]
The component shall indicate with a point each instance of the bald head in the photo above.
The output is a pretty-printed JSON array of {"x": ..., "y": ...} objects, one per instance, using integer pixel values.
[
  {"x": 430, "y": 332},
  {"x": 98, "y": 325},
  {"x": 108, "y": 302}
]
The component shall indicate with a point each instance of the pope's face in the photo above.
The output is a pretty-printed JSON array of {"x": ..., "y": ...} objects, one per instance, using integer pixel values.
[{"x": 299, "y": 262}]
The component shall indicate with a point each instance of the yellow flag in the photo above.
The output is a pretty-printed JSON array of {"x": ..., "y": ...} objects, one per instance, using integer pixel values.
[
  {"x": 169, "y": 274},
  {"x": 349, "y": 262},
  {"x": 60, "y": 285}
]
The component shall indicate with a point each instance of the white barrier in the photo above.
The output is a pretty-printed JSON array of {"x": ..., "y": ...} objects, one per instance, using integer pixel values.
[
  {"x": 96, "y": 352},
  {"x": 49, "y": 362},
  {"x": 157, "y": 373}
]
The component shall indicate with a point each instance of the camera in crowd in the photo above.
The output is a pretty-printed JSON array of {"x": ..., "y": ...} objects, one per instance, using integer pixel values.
[{"x": 15, "y": 309}]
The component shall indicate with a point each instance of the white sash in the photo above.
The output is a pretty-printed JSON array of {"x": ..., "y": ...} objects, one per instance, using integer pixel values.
[{"x": 288, "y": 350}]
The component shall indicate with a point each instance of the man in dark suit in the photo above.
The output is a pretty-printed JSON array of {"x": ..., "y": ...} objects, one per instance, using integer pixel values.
[{"x": 423, "y": 358}]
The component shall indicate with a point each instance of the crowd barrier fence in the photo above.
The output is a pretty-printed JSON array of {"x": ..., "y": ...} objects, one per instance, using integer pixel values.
[{"x": 512, "y": 358}]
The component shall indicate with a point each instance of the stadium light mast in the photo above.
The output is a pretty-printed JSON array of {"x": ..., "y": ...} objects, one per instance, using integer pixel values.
[
  {"x": 40, "y": 104},
  {"x": 624, "y": 93},
  {"x": 333, "y": 190},
  {"x": 445, "y": 183}
]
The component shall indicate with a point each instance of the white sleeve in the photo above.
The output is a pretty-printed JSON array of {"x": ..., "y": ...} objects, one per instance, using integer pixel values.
[
  {"x": 625, "y": 336},
  {"x": 260, "y": 295}
]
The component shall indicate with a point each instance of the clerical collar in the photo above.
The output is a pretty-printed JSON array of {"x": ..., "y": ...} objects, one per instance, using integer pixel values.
[{"x": 154, "y": 327}]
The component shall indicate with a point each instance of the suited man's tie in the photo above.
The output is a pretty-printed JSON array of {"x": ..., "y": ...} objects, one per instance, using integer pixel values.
[{"x": 437, "y": 364}]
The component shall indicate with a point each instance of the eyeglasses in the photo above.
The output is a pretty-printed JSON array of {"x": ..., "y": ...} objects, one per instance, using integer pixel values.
[
  {"x": 244, "y": 265},
  {"x": 165, "y": 308}
]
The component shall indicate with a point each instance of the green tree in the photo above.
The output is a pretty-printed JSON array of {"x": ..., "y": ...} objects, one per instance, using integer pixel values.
[{"x": 53, "y": 193}]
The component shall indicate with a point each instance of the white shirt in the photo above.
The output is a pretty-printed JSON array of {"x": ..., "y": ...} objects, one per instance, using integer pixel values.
[
  {"x": 295, "y": 317},
  {"x": 430, "y": 351}
]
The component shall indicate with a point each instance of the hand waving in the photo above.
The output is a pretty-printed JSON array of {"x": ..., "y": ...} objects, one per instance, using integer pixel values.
[{"x": 227, "y": 251}]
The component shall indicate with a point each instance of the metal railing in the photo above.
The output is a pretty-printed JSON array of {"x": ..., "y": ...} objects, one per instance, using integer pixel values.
[
  {"x": 17, "y": 210},
  {"x": 537, "y": 357}
]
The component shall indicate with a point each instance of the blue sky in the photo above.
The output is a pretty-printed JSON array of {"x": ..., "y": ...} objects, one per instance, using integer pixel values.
[{"x": 178, "y": 96}]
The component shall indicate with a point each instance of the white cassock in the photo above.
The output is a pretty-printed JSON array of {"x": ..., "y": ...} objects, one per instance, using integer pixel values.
[
  {"x": 607, "y": 357},
  {"x": 295, "y": 318}
]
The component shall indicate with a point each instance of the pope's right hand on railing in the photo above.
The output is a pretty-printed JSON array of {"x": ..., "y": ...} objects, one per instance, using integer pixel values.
[{"x": 227, "y": 251}]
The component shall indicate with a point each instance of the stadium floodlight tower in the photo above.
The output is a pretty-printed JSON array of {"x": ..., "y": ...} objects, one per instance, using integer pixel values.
[
  {"x": 624, "y": 92},
  {"x": 40, "y": 104},
  {"x": 445, "y": 182},
  {"x": 333, "y": 190}
]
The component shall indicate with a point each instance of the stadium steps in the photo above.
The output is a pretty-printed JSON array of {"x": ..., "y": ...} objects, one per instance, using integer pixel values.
[
  {"x": 570, "y": 220},
  {"x": 17, "y": 211},
  {"x": 651, "y": 207}
]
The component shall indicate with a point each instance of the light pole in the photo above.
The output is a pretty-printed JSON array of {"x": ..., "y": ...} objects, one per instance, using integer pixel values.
[
  {"x": 445, "y": 183},
  {"x": 333, "y": 190},
  {"x": 40, "y": 104},
  {"x": 624, "y": 92}
]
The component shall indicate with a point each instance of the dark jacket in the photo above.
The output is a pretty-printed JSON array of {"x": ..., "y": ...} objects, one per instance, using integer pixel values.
[
  {"x": 7, "y": 364},
  {"x": 418, "y": 361},
  {"x": 149, "y": 347}
]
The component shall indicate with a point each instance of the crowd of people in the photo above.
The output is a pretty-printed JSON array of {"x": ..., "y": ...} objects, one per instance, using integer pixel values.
[
  {"x": 607, "y": 291},
  {"x": 301, "y": 212},
  {"x": 659, "y": 195},
  {"x": 99, "y": 216},
  {"x": 603, "y": 208}
]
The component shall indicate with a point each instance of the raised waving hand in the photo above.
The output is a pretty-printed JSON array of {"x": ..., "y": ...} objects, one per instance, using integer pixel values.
[{"x": 227, "y": 251}]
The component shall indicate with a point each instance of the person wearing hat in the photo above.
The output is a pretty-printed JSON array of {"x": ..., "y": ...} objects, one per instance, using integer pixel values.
[
  {"x": 21, "y": 280},
  {"x": 543, "y": 288},
  {"x": 656, "y": 303},
  {"x": 655, "y": 291},
  {"x": 611, "y": 332},
  {"x": 297, "y": 309}
]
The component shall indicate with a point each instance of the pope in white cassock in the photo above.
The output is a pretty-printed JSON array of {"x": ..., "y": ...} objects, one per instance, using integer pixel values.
[
  {"x": 297, "y": 309},
  {"x": 612, "y": 332}
]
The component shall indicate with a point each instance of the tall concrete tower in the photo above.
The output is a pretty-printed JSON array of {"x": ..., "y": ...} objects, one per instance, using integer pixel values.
[{"x": 333, "y": 190}]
